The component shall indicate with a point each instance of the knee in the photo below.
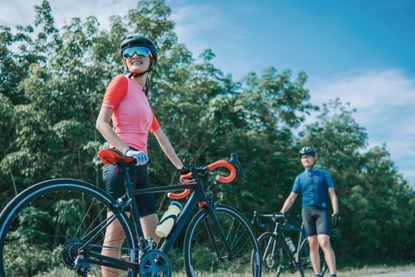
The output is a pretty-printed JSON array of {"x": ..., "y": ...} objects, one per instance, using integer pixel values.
[
  {"x": 313, "y": 243},
  {"x": 324, "y": 243}
]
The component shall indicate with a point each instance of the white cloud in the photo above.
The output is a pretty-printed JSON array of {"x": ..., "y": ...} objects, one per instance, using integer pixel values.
[
  {"x": 385, "y": 103},
  {"x": 202, "y": 26},
  {"x": 17, "y": 12},
  {"x": 22, "y": 11},
  {"x": 191, "y": 20}
]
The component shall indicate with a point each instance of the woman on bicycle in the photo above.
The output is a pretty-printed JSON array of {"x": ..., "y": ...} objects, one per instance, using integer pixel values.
[
  {"x": 125, "y": 104},
  {"x": 316, "y": 186}
]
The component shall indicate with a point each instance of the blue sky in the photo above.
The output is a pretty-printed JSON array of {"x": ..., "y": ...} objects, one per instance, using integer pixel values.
[{"x": 362, "y": 51}]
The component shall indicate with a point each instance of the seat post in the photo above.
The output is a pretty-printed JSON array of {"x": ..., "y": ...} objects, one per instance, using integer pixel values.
[{"x": 131, "y": 195}]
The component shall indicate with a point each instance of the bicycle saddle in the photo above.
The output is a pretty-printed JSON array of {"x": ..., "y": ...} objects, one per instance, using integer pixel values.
[{"x": 113, "y": 156}]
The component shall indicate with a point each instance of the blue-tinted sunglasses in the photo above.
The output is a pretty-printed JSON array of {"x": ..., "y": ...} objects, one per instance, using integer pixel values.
[{"x": 136, "y": 50}]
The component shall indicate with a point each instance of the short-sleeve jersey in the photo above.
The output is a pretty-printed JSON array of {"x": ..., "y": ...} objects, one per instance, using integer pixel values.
[
  {"x": 132, "y": 115},
  {"x": 313, "y": 185}
]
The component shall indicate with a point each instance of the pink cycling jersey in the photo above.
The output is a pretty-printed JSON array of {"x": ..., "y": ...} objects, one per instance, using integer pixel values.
[{"x": 132, "y": 117}]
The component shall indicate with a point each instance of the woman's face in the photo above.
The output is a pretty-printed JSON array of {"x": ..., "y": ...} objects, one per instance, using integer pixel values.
[{"x": 137, "y": 64}]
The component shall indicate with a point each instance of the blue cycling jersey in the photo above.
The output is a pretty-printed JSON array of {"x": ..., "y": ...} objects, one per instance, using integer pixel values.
[{"x": 313, "y": 184}]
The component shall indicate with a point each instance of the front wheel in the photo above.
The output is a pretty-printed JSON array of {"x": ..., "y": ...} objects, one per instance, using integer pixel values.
[
  {"x": 57, "y": 228},
  {"x": 272, "y": 255},
  {"x": 205, "y": 251}
]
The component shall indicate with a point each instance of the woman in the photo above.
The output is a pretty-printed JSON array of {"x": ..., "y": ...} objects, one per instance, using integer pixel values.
[{"x": 125, "y": 103}]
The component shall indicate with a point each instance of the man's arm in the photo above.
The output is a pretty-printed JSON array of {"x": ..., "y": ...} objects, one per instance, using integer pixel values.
[
  {"x": 289, "y": 202},
  {"x": 333, "y": 199}
]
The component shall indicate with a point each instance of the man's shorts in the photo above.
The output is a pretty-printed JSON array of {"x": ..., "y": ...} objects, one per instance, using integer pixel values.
[{"x": 316, "y": 221}]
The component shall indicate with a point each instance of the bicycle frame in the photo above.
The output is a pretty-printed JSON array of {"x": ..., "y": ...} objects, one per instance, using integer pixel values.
[
  {"x": 198, "y": 197},
  {"x": 301, "y": 235},
  {"x": 279, "y": 233}
]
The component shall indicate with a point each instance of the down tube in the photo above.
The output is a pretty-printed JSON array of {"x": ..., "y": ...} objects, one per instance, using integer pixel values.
[{"x": 181, "y": 221}]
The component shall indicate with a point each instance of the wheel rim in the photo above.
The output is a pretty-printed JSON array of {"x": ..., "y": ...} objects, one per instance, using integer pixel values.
[{"x": 45, "y": 235}]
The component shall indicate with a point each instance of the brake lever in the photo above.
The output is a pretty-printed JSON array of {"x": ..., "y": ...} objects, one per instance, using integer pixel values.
[
  {"x": 235, "y": 162},
  {"x": 254, "y": 219}
]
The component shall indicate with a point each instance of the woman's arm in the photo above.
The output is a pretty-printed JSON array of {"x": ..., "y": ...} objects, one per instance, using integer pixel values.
[
  {"x": 104, "y": 127},
  {"x": 167, "y": 148},
  {"x": 333, "y": 199}
]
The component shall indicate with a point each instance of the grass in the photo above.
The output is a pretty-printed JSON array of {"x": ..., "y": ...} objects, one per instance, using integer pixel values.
[
  {"x": 369, "y": 270},
  {"x": 353, "y": 272},
  {"x": 345, "y": 272}
]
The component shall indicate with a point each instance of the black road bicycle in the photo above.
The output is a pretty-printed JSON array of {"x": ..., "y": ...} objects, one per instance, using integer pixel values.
[
  {"x": 68, "y": 219},
  {"x": 280, "y": 253}
]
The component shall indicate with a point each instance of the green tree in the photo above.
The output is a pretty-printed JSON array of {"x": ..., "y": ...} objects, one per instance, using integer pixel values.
[{"x": 52, "y": 85}]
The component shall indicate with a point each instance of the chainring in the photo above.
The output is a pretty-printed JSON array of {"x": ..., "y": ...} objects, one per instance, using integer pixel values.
[{"x": 155, "y": 263}]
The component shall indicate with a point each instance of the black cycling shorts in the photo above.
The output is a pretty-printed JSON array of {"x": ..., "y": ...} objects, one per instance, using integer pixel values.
[
  {"x": 316, "y": 221},
  {"x": 114, "y": 183}
]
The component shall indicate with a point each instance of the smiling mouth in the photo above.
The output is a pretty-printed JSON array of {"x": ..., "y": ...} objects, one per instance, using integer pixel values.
[{"x": 137, "y": 62}]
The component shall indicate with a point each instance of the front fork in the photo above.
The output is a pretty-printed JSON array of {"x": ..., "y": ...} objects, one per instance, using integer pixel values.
[{"x": 211, "y": 211}]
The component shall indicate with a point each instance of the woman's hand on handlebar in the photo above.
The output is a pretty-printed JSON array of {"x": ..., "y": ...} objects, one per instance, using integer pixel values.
[{"x": 184, "y": 170}]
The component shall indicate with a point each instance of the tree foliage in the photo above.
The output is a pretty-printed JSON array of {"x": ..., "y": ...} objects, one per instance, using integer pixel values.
[{"x": 52, "y": 85}]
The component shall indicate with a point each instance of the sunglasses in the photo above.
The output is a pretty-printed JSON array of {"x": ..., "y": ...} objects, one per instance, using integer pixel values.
[{"x": 136, "y": 50}]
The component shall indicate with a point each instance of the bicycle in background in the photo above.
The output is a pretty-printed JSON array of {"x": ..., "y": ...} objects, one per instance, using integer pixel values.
[
  {"x": 61, "y": 223},
  {"x": 279, "y": 252}
]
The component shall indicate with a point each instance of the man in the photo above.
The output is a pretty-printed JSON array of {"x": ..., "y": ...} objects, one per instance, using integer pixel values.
[{"x": 316, "y": 187}]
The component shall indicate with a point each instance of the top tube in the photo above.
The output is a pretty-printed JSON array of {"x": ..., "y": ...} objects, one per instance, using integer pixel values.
[{"x": 276, "y": 217}]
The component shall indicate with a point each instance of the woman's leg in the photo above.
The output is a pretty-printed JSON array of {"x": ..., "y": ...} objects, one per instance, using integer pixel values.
[
  {"x": 146, "y": 204},
  {"x": 149, "y": 224},
  {"x": 114, "y": 237}
]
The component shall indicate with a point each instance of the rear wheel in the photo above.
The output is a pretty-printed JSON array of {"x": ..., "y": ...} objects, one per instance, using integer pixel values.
[
  {"x": 205, "y": 251},
  {"x": 56, "y": 228}
]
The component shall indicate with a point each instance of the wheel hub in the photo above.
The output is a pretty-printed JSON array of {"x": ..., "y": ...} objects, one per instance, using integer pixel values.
[
  {"x": 270, "y": 261},
  {"x": 73, "y": 256}
]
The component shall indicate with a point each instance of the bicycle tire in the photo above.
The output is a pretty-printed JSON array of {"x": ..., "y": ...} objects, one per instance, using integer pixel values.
[
  {"x": 39, "y": 230},
  {"x": 305, "y": 262},
  {"x": 269, "y": 251},
  {"x": 201, "y": 258}
]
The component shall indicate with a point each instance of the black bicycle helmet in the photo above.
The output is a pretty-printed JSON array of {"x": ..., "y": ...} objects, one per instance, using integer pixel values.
[
  {"x": 307, "y": 150},
  {"x": 137, "y": 40}
]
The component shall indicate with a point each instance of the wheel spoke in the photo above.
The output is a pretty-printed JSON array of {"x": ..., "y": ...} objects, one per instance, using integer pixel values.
[
  {"x": 52, "y": 223},
  {"x": 200, "y": 256}
]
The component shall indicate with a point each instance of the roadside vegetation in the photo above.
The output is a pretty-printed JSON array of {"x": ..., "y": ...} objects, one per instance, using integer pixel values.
[{"x": 52, "y": 84}]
